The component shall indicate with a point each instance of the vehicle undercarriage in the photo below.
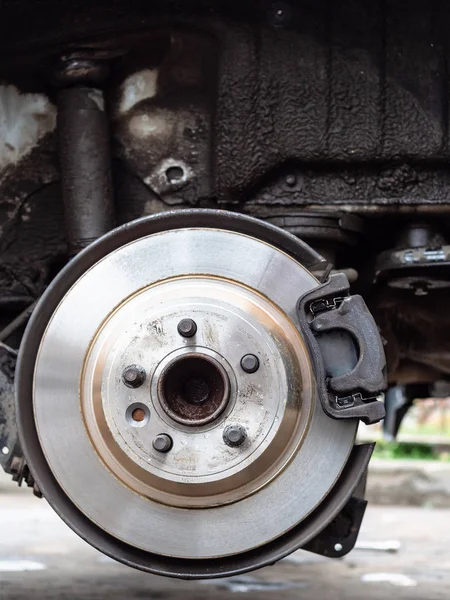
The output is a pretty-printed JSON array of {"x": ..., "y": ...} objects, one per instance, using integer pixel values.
[{"x": 224, "y": 227}]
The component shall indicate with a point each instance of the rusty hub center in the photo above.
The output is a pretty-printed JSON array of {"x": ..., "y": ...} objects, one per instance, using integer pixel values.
[{"x": 194, "y": 389}]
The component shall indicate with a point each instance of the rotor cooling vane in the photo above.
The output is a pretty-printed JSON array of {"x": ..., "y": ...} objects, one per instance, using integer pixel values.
[{"x": 168, "y": 398}]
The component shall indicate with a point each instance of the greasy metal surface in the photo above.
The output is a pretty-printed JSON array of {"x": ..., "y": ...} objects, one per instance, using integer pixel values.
[
  {"x": 344, "y": 103},
  {"x": 416, "y": 329},
  {"x": 419, "y": 262},
  {"x": 162, "y": 116},
  {"x": 220, "y": 104},
  {"x": 312, "y": 226},
  {"x": 51, "y": 489},
  {"x": 9, "y": 442},
  {"x": 80, "y": 68},
  {"x": 84, "y": 153}
]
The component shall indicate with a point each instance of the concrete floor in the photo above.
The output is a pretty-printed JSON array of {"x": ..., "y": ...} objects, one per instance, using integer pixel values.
[{"x": 41, "y": 558}]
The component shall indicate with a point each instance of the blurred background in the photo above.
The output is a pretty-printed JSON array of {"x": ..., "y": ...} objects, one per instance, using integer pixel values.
[{"x": 403, "y": 550}]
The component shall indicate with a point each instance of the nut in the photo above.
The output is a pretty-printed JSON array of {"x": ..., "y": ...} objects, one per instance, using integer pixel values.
[
  {"x": 250, "y": 363},
  {"x": 234, "y": 435},
  {"x": 133, "y": 376},
  {"x": 162, "y": 443},
  {"x": 187, "y": 328}
]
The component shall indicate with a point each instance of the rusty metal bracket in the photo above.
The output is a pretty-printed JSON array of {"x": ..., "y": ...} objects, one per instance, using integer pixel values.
[
  {"x": 21, "y": 473},
  {"x": 9, "y": 438},
  {"x": 340, "y": 535},
  {"x": 11, "y": 455}
]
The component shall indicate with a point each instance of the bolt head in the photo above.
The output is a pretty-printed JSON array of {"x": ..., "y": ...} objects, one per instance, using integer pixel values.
[
  {"x": 133, "y": 376},
  {"x": 280, "y": 14},
  {"x": 187, "y": 328},
  {"x": 291, "y": 180},
  {"x": 72, "y": 69},
  {"x": 162, "y": 443},
  {"x": 421, "y": 289},
  {"x": 250, "y": 363},
  {"x": 234, "y": 435}
]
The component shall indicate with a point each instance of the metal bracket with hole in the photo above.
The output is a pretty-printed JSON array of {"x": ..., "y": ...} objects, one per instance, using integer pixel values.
[
  {"x": 21, "y": 473},
  {"x": 10, "y": 450},
  {"x": 340, "y": 535}
]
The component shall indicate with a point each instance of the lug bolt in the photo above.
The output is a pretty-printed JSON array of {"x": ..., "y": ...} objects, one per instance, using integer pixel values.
[
  {"x": 234, "y": 435},
  {"x": 187, "y": 328},
  {"x": 162, "y": 443},
  {"x": 250, "y": 363},
  {"x": 133, "y": 376}
]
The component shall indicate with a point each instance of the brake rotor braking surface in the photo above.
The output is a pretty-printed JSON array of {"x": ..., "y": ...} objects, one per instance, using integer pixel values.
[{"x": 72, "y": 468}]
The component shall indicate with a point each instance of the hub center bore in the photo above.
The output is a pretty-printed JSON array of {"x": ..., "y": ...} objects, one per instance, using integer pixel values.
[{"x": 194, "y": 389}]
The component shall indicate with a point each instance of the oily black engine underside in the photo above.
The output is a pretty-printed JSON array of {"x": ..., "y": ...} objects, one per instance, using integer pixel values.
[
  {"x": 353, "y": 85},
  {"x": 280, "y": 110}
]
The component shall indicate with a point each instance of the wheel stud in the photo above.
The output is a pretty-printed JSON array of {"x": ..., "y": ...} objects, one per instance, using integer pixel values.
[
  {"x": 234, "y": 435},
  {"x": 187, "y": 328},
  {"x": 162, "y": 443},
  {"x": 133, "y": 376},
  {"x": 250, "y": 363}
]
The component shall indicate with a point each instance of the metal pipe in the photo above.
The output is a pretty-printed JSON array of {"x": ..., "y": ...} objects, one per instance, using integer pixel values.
[
  {"x": 85, "y": 162},
  {"x": 19, "y": 321}
]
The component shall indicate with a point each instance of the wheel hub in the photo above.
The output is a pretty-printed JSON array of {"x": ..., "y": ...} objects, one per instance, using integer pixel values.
[{"x": 195, "y": 387}]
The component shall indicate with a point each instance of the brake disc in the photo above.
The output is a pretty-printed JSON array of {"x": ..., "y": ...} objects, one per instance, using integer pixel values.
[{"x": 167, "y": 403}]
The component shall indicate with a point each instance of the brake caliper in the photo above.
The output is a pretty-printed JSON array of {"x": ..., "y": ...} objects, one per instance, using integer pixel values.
[{"x": 346, "y": 349}]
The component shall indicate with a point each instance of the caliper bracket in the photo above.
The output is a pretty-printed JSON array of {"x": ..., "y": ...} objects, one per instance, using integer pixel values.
[{"x": 347, "y": 390}]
